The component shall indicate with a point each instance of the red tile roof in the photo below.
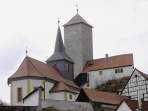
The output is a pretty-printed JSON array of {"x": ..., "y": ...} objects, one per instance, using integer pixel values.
[
  {"x": 33, "y": 68},
  {"x": 109, "y": 62},
  {"x": 143, "y": 74},
  {"x": 133, "y": 105},
  {"x": 104, "y": 97},
  {"x": 60, "y": 86}
]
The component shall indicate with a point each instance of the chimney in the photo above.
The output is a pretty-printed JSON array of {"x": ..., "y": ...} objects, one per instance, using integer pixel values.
[{"x": 106, "y": 55}]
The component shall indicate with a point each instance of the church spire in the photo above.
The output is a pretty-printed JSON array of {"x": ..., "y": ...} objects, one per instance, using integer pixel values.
[
  {"x": 59, "y": 46},
  {"x": 59, "y": 51}
]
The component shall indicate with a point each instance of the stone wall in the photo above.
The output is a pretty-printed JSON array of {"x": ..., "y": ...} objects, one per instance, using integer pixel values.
[{"x": 67, "y": 105}]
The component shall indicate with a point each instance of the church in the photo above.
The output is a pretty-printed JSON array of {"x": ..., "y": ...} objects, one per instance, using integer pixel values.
[{"x": 70, "y": 68}]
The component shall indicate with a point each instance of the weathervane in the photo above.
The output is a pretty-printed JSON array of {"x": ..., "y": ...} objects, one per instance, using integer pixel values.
[
  {"x": 26, "y": 51},
  {"x": 77, "y": 7},
  {"x": 58, "y": 21}
]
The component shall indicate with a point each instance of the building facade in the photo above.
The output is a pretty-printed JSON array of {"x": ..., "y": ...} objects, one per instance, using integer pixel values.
[
  {"x": 137, "y": 86},
  {"x": 60, "y": 59},
  {"x": 55, "y": 77},
  {"x": 101, "y": 70},
  {"x": 78, "y": 42},
  {"x": 132, "y": 105}
]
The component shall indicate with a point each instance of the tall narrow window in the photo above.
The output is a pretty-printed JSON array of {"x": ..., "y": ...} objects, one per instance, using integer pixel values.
[
  {"x": 67, "y": 67},
  {"x": 19, "y": 94},
  {"x": 70, "y": 96}
]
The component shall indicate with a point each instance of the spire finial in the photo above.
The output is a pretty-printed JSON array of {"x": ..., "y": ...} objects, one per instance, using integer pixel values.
[
  {"x": 26, "y": 51},
  {"x": 58, "y": 21},
  {"x": 77, "y": 7}
]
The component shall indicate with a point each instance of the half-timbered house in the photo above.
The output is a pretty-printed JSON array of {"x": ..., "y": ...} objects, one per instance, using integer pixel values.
[{"x": 137, "y": 86}]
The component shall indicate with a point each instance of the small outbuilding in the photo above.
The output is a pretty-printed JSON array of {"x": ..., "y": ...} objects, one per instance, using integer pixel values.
[{"x": 100, "y": 100}]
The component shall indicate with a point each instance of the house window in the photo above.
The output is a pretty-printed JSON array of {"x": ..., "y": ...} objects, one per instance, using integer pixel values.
[
  {"x": 19, "y": 94},
  {"x": 65, "y": 96},
  {"x": 70, "y": 96},
  {"x": 100, "y": 72},
  {"x": 119, "y": 70}
]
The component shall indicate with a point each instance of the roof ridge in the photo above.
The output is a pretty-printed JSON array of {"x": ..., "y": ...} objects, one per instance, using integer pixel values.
[{"x": 112, "y": 56}]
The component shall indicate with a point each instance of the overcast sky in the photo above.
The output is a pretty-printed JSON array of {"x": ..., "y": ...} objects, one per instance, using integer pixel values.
[{"x": 120, "y": 26}]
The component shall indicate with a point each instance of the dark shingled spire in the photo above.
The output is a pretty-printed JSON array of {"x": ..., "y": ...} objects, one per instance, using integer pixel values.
[{"x": 59, "y": 51}]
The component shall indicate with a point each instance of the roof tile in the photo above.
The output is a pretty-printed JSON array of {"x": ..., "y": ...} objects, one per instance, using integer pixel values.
[
  {"x": 133, "y": 105},
  {"x": 33, "y": 68},
  {"x": 109, "y": 62},
  {"x": 104, "y": 97},
  {"x": 75, "y": 20}
]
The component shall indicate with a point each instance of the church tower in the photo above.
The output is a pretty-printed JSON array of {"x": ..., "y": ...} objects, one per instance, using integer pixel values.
[
  {"x": 78, "y": 42},
  {"x": 60, "y": 60}
]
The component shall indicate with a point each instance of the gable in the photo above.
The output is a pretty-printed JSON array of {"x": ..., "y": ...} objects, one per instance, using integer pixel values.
[
  {"x": 138, "y": 81},
  {"x": 123, "y": 107}
]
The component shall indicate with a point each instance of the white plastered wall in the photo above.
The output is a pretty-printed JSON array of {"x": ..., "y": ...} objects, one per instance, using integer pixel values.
[
  {"x": 15, "y": 85},
  {"x": 27, "y": 86},
  {"x": 32, "y": 100},
  {"x": 123, "y": 107},
  {"x": 95, "y": 78}
]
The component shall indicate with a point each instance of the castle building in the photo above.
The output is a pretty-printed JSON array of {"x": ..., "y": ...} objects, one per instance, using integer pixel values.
[
  {"x": 99, "y": 71},
  {"x": 71, "y": 63}
]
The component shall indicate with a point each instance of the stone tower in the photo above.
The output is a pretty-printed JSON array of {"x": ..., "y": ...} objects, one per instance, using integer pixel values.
[
  {"x": 78, "y": 42},
  {"x": 60, "y": 60}
]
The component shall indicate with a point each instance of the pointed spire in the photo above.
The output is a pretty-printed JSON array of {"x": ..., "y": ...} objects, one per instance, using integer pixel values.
[
  {"x": 59, "y": 51},
  {"x": 59, "y": 46}
]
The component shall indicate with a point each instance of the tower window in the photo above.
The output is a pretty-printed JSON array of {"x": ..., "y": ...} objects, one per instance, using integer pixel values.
[
  {"x": 67, "y": 67},
  {"x": 19, "y": 94},
  {"x": 119, "y": 70}
]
